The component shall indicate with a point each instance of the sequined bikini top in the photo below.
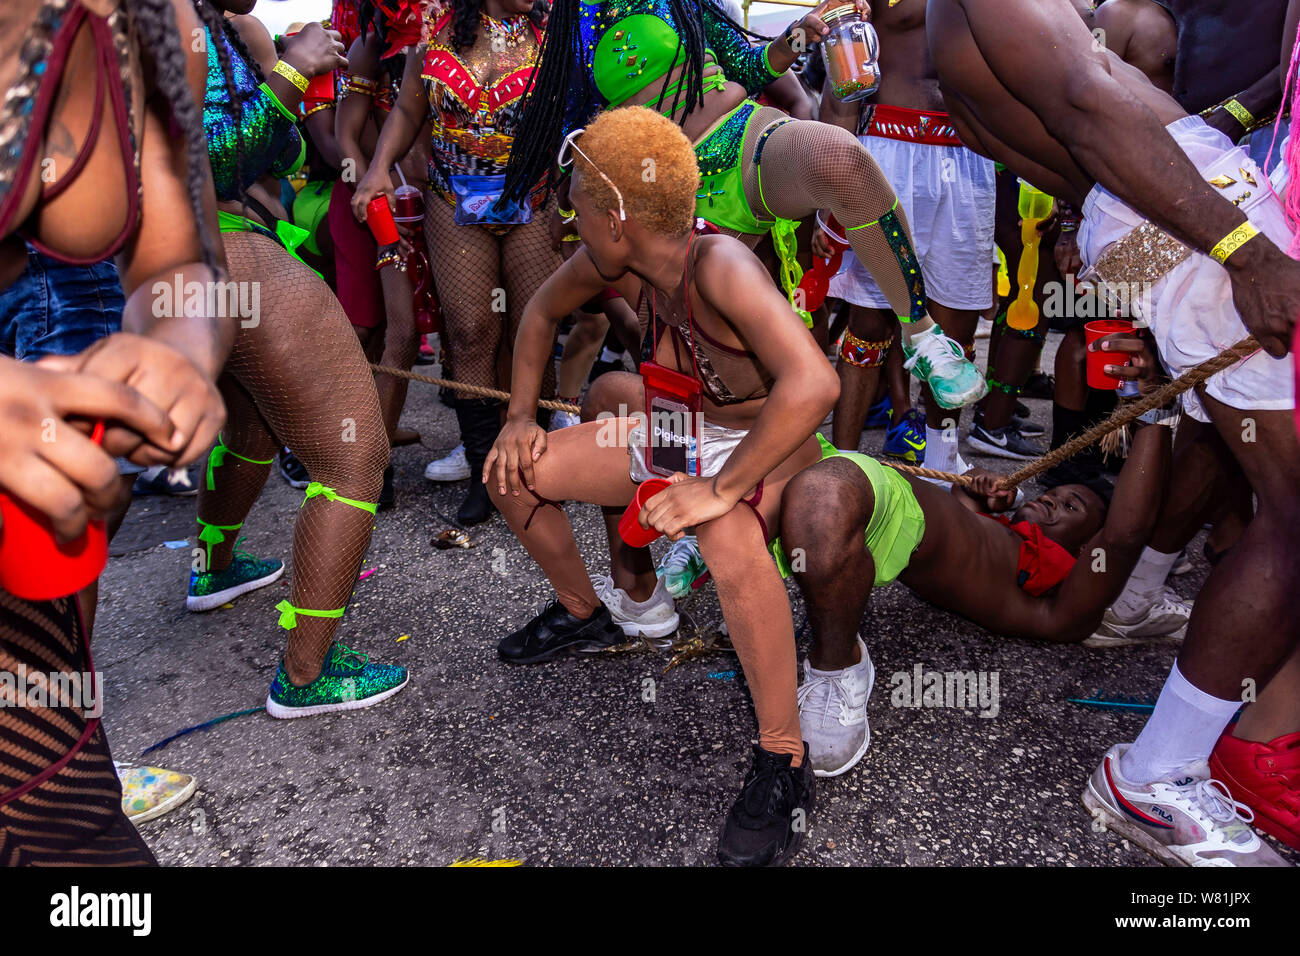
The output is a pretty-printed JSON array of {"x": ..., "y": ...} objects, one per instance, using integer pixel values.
[
  {"x": 249, "y": 133},
  {"x": 27, "y": 106},
  {"x": 629, "y": 44},
  {"x": 473, "y": 122}
]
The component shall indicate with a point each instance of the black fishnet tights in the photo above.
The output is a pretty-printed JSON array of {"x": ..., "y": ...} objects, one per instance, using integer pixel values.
[
  {"x": 300, "y": 377},
  {"x": 484, "y": 281}
]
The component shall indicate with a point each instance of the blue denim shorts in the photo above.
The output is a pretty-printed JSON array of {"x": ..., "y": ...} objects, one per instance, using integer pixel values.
[{"x": 58, "y": 309}]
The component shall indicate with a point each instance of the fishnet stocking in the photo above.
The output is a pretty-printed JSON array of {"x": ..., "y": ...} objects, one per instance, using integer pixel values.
[
  {"x": 806, "y": 166},
  {"x": 75, "y": 816},
  {"x": 327, "y": 412},
  {"x": 481, "y": 279},
  {"x": 401, "y": 344}
]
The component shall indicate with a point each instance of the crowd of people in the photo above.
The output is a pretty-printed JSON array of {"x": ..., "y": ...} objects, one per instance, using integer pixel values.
[{"x": 506, "y": 188}]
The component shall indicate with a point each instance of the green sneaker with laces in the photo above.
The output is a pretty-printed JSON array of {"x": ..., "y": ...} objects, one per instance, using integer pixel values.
[
  {"x": 683, "y": 568},
  {"x": 939, "y": 362},
  {"x": 211, "y": 589},
  {"x": 347, "y": 681}
]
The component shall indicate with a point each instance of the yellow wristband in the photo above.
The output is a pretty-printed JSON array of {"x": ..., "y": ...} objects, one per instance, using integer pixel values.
[
  {"x": 1232, "y": 242},
  {"x": 292, "y": 75},
  {"x": 1239, "y": 113}
]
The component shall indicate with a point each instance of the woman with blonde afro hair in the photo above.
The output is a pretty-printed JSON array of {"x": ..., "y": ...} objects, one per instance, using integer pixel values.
[{"x": 719, "y": 324}]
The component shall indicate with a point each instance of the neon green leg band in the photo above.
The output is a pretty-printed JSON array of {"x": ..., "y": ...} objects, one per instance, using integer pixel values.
[
  {"x": 213, "y": 534},
  {"x": 217, "y": 458},
  {"x": 316, "y": 488},
  {"x": 289, "y": 614}
]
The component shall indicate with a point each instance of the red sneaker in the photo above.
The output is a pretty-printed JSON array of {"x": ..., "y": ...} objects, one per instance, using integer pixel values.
[{"x": 1265, "y": 777}]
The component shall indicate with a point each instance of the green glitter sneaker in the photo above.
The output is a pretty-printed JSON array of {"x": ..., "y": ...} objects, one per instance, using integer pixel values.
[
  {"x": 347, "y": 681},
  {"x": 210, "y": 589},
  {"x": 939, "y": 362}
]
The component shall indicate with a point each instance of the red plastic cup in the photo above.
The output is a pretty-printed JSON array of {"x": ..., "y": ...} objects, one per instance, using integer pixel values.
[
  {"x": 320, "y": 89},
  {"x": 34, "y": 564},
  {"x": 629, "y": 528},
  {"x": 1096, "y": 362},
  {"x": 380, "y": 220},
  {"x": 409, "y": 203},
  {"x": 817, "y": 280}
]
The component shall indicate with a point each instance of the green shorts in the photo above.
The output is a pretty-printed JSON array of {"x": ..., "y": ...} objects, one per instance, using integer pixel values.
[{"x": 897, "y": 522}]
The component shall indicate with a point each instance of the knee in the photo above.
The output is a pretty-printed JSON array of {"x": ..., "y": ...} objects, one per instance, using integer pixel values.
[
  {"x": 616, "y": 393},
  {"x": 824, "y": 514}
]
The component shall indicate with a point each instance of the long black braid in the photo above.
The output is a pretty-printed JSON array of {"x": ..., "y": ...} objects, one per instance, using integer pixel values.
[
  {"x": 541, "y": 128},
  {"x": 220, "y": 27},
  {"x": 154, "y": 25}
]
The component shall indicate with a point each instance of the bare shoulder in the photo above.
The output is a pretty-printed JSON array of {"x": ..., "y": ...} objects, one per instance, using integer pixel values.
[{"x": 258, "y": 38}]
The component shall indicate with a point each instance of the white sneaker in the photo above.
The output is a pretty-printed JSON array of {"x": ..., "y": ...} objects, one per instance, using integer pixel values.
[
  {"x": 1185, "y": 818},
  {"x": 455, "y": 467},
  {"x": 655, "y": 617},
  {"x": 563, "y": 420},
  {"x": 833, "y": 714},
  {"x": 1165, "y": 621}
]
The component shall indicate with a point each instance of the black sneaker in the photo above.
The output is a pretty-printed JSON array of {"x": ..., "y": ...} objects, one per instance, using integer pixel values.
[
  {"x": 292, "y": 469},
  {"x": 1004, "y": 442},
  {"x": 161, "y": 480},
  {"x": 1027, "y": 426},
  {"x": 556, "y": 633},
  {"x": 768, "y": 821},
  {"x": 1040, "y": 385},
  {"x": 388, "y": 494}
]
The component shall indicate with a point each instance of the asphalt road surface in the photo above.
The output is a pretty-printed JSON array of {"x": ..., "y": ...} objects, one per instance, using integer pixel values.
[{"x": 570, "y": 763}]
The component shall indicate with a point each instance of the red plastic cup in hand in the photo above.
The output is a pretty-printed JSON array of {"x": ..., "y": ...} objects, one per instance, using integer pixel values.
[
  {"x": 34, "y": 564},
  {"x": 380, "y": 220},
  {"x": 1097, "y": 361},
  {"x": 629, "y": 528},
  {"x": 817, "y": 280}
]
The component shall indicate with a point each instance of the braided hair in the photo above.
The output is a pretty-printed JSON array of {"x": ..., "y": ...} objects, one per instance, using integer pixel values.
[
  {"x": 541, "y": 127},
  {"x": 154, "y": 25},
  {"x": 221, "y": 29}
]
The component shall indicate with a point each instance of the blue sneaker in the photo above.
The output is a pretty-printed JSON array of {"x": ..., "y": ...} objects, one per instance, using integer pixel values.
[
  {"x": 880, "y": 414},
  {"x": 211, "y": 589},
  {"x": 906, "y": 440}
]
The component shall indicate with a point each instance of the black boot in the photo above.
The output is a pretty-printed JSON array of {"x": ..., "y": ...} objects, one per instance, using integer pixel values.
[{"x": 480, "y": 423}]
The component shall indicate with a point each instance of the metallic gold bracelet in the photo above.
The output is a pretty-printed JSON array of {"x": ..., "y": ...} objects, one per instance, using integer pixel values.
[
  {"x": 1232, "y": 242},
  {"x": 290, "y": 74},
  {"x": 1239, "y": 113}
]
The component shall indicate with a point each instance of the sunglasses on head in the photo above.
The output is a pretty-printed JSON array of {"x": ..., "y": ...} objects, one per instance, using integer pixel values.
[{"x": 565, "y": 158}]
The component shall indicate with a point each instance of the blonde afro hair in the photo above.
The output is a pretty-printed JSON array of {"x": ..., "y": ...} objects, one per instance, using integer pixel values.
[{"x": 649, "y": 159}]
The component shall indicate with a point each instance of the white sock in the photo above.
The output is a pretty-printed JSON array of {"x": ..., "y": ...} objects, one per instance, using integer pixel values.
[
  {"x": 153, "y": 471},
  {"x": 941, "y": 452},
  {"x": 1181, "y": 731},
  {"x": 606, "y": 355},
  {"x": 1144, "y": 584}
]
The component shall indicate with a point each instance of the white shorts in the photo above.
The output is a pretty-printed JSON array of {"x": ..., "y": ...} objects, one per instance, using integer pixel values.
[
  {"x": 1190, "y": 309},
  {"x": 717, "y": 443},
  {"x": 948, "y": 194}
]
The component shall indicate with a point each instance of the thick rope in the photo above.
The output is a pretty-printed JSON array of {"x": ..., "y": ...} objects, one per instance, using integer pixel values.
[
  {"x": 480, "y": 390},
  {"x": 1122, "y": 416}
]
